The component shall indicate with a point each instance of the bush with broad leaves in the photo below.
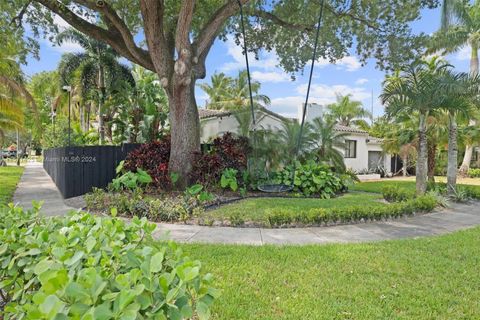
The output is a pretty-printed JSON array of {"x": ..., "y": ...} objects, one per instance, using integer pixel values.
[{"x": 86, "y": 267}]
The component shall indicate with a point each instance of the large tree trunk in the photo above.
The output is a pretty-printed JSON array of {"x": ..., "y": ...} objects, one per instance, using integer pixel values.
[
  {"x": 452, "y": 154},
  {"x": 185, "y": 131},
  {"x": 421, "y": 171},
  {"x": 432, "y": 152},
  {"x": 467, "y": 158}
]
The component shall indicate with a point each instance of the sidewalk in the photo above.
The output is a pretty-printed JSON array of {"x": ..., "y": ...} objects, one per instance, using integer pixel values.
[{"x": 35, "y": 184}]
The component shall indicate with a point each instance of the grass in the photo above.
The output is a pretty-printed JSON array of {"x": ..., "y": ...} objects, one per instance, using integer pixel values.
[
  {"x": 429, "y": 278},
  {"x": 377, "y": 186},
  {"x": 9, "y": 177},
  {"x": 254, "y": 209}
]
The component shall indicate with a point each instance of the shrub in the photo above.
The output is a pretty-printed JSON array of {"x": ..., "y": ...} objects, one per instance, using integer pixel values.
[
  {"x": 312, "y": 179},
  {"x": 134, "y": 204},
  {"x": 131, "y": 180},
  {"x": 474, "y": 173},
  {"x": 229, "y": 179},
  {"x": 227, "y": 152},
  {"x": 396, "y": 194},
  {"x": 318, "y": 216},
  {"x": 152, "y": 157},
  {"x": 82, "y": 266}
]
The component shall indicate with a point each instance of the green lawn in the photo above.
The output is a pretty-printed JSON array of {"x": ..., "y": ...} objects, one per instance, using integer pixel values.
[
  {"x": 253, "y": 209},
  {"x": 9, "y": 177},
  {"x": 377, "y": 186},
  {"x": 429, "y": 278}
]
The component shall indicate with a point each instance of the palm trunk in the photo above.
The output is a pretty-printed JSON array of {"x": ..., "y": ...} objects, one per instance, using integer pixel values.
[
  {"x": 404, "y": 165},
  {"x": 452, "y": 154},
  {"x": 421, "y": 170},
  {"x": 185, "y": 130},
  {"x": 432, "y": 151},
  {"x": 467, "y": 158}
]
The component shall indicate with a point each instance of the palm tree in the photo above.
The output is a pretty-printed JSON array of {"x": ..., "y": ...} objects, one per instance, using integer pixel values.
[
  {"x": 288, "y": 136},
  {"x": 11, "y": 115},
  {"x": 347, "y": 111},
  {"x": 415, "y": 90},
  {"x": 97, "y": 65},
  {"x": 328, "y": 142},
  {"x": 460, "y": 27},
  {"x": 461, "y": 93},
  {"x": 217, "y": 91},
  {"x": 227, "y": 93}
]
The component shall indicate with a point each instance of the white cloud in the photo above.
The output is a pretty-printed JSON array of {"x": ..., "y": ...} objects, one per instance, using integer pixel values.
[
  {"x": 349, "y": 63},
  {"x": 270, "y": 76},
  {"x": 464, "y": 53},
  {"x": 361, "y": 81},
  {"x": 320, "y": 93},
  {"x": 268, "y": 60}
]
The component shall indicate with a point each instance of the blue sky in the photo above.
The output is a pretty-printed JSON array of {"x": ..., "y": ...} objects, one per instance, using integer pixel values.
[{"x": 345, "y": 77}]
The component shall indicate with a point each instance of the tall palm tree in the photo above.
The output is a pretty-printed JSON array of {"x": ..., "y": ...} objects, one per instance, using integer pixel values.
[
  {"x": 328, "y": 142},
  {"x": 415, "y": 90},
  {"x": 460, "y": 27},
  {"x": 461, "y": 93},
  {"x": 226, "y": 93},
  {"x": 98, "y": 66},
  {"x": 11, "y": 115},
  {"x": 347, "y": 111}
]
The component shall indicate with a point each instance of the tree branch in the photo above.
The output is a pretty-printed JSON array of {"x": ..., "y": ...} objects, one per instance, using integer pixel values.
[
  {"x": 278, "y": 21},
  {"x": 153, "y": 25},
  {"x": 184, "y": 23},
  {"x": 213, "y": 27},
  {"x": 114, "y": 21},
  {"x": 108, "y": 36},
  {"x": 17, "y": 20}
]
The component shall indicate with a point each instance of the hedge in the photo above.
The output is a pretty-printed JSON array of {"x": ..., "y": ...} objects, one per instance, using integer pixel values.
[
  {"x": 320, "y": 216},
  {"x": 86, "y": 267}
]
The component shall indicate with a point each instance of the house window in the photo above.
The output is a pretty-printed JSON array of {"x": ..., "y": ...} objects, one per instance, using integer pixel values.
[{"x": 350, "y": 148}]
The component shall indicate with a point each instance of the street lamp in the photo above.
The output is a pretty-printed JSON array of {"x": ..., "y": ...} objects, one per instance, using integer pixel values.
[{"x": 69, "y": 90}]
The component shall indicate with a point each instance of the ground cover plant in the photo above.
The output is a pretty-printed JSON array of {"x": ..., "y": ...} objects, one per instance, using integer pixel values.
[
  {"x": 428, "y": 278},
  {"x": 82, "y": 266},
  {"x": 9, "y": 177}
]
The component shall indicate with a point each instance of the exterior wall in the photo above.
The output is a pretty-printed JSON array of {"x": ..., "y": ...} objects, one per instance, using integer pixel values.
[{"x": 212, "y": 127}]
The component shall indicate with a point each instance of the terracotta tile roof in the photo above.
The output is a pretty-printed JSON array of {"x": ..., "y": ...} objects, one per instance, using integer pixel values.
[
  {"x": 349, "y": 129},
  {"x": 207, "y": 113}
]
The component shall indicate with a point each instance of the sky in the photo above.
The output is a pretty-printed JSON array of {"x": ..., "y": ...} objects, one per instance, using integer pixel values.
[{"x": 347, "y": 76}]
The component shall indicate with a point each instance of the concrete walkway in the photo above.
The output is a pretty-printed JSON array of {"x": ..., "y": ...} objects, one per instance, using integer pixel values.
[
  {"x": 457, "y": 217},
  {"x": 36, "y": 184}
]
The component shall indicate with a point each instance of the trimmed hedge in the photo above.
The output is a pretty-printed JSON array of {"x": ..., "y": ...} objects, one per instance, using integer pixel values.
[
  {"x": 320, "y": 216},
  {"x": 397, "y": 194},
  {"x": 86, "y": 267}
]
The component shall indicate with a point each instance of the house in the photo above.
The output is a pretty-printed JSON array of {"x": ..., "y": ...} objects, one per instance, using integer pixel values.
[{"x": 362, "y": 152}]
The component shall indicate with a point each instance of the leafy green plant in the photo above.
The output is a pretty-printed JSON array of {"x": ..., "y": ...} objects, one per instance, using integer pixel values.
[
  {"x": 197, "y": 191},
  {"x": 396, "y": 194},
  {"x": 229, "y": 179},
  {"x": 86, "y": 267},
  {"x": 460, "y": 194},
  {"x": 131, "y": 180},
  {"x": 474, "y": 173},
  {"x": 312, "y": 179}
]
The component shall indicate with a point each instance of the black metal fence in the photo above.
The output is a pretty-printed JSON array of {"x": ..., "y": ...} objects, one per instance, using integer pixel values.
[{"x": 77, "y": 170}]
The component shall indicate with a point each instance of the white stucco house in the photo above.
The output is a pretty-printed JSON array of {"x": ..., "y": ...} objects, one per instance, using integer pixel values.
[{"x": 362, "y": 151}]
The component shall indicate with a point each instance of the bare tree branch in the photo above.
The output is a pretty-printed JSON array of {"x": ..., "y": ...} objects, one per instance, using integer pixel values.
[
  {"x": 114, "y": 21},
  {"x": 184, "y": 24},
  {"x": 213, "y": 27},
  {"x": 18, "y": 19},
  {"x": 110, "y": 37}
]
